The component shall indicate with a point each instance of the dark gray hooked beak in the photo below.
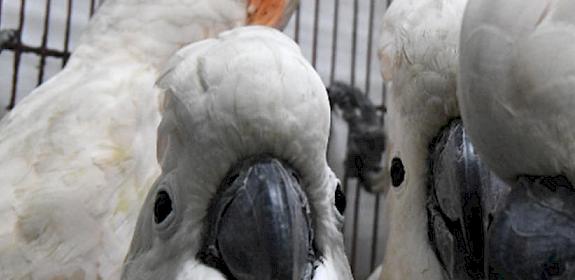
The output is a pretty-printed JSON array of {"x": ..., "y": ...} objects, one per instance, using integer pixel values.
[
  {"x": 481, "y": 229},
  {"x": 259, "y": 225},
  {"x": 463, "y": 195},
  {"x": 534, "y": 236}
]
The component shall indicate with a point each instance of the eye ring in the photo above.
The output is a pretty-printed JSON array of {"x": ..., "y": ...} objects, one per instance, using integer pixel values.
[
  {"x": 397, "y": 172},
  {"x": 163, "y": 207},
  {"x": 340, "y": 201}
]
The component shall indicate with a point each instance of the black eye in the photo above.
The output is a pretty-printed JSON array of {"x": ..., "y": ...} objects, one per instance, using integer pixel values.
[
  {"x": 397, "y": 172},
  {"x": 162, "y": 207},
  {"x": 340, "y": 202}
]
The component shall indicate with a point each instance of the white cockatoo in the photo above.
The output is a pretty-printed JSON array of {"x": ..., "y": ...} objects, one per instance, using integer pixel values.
[
  {"x": 517, "y": 97},
  {"x": 433, "y": 231},
  {"x": 78, "y": 155},
  {"x": 245, "y": 190}
]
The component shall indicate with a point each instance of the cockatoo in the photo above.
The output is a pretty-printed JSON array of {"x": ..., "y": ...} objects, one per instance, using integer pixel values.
[
  {"x": 78, "y": 155},
  {"x": 245, "y": 190},
  {"x": 517, "y": 94},
  {"x": 514, "y": 93},
  {"x": 433, "y": 229}
]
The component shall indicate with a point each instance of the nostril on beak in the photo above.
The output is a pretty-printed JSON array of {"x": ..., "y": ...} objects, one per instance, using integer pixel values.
[{"x": 554, "y": 267}]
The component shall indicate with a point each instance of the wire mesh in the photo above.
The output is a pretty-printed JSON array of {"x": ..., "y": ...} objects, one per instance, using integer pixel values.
[{"x": 339, "y": 38}]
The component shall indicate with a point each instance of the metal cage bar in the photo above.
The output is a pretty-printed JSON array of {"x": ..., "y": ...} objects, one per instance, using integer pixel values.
[
  {"x": 17, "y": 56},
  {"x": 67, "y": 36},
  {"x": 334, "y": 41},
  {"x": 44, "y": 42}
]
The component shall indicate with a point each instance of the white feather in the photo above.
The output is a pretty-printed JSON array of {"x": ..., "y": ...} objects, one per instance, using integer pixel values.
[{"x": 516, "y": 86}]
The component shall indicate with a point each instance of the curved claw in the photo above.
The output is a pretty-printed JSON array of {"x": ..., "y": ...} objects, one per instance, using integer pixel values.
[
  {"x": 8, "y": 37},
  {"x": 366, "y": 140}
]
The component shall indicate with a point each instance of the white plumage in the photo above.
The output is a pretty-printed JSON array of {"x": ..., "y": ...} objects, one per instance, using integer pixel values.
[
  {"x": 418, "y": 53},
  {"x": 249, "y": 92},
  {"x": 78, "y": 155},
  {"x": 516, "y": 86}
]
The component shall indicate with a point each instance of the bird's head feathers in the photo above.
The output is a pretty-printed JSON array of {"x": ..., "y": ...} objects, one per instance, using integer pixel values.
[
  {"x": 245, "y": 94},
  {"x": 418, "y": 55}
]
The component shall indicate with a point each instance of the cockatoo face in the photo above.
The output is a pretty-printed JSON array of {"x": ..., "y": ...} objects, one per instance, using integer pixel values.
[
  {"x": 433, "y": 204},
  {"x": 245, "y": 190},
  {"x": 450, "y": 216}
]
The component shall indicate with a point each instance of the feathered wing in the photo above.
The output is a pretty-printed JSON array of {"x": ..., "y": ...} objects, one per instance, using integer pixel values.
[
  {"x": 516, "y": 87},
  {"x": 76, "y": 160}
]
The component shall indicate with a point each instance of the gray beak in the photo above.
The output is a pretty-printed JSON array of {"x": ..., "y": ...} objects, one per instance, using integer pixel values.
[
  {"x": 457, "y": 207},
  {"x": 534, "y": 236},
  {"x": 259, "y": 225},
  {"x": 481, "y": 228}
]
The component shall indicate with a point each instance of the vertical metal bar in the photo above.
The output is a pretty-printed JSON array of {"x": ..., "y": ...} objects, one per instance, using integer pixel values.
[
  {"x": 355, "y": 226},
  {"x": 92, "y": 7},
  {"x": 375, "y": 233},
  {"x": 378, "y": 198},
  {"x": 297, "y": 23},
  {"x": 42, "y": 64},
  {"x": 383, "y": 94},
  {"x": 1, "y": 4},
  {"x": 346, "y": 190},
  {"x": 67, "y": 34},
  {"x": 374, "y": 225},
  {"x": 17, "y": 56},
  {"x": 383, "y": 88},
  {"x": 357, "y": 187},
  {"x": 354, "y": 42},
  {"x": 333, "y": 51},
  {"x": 315, "y": 28},
  {"x": 369, "y": 48},
  {"x": 334, "y": 41}
]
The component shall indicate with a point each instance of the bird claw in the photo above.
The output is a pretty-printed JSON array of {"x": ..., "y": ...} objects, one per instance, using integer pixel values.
[
  {"x": 366, "y": 139},
  {"x": 8, "y": 37}
]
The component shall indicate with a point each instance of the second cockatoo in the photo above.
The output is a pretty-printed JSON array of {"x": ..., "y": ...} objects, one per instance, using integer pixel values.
[
  {"x": 514, "y": 91},
  {"x": 245, "y": 190},
  {"x": 434, "y": 218},
  {"x": 78, "y": 155},
  {"x": 517, "y": 99}
]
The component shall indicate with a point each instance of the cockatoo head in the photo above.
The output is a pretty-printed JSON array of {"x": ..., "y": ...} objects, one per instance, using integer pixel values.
[
  {"x": 430, "y": 207},
  {"x": 245, "y": 190}
]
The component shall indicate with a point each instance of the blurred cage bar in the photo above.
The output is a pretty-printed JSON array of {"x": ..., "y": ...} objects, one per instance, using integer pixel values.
[{"x": 339, "y": 37}]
